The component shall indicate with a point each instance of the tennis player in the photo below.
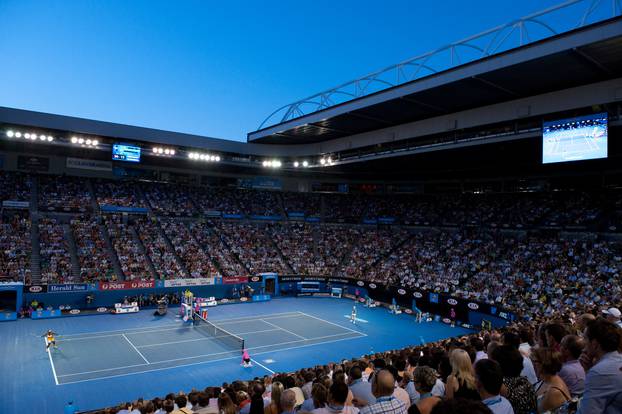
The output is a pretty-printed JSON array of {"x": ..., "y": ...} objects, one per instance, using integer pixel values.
[
  {"x": 246, "y": 359},
  {"x": 51, "y": 339},
  {"x": 353, "y": 315}
]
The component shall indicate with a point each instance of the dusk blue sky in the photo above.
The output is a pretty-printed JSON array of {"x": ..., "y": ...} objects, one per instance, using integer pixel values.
[{"x": 214, "y": 68}]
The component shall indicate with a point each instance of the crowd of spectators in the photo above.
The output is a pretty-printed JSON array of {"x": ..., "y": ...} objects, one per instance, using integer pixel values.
[
  {"x": 131, "y": 259},
  {"x": 190, "y": 252},
  {"x": 161, "y": 255},
  {"x": 296, "y": 242},
  {"x": 62, "y": 193},
  {"x": 217, "y": 200},
  {"x": 310, "y": 204},
  {"x": 169, "y": 199},
  {"x": 118, "y": 193},
  {"x": 558, "y": 365},
  {"x": 15, "y": 248},
  {"x": 91, "y": 250},
  {"x": 54, "y": 251},
  {"x": 216, "y": 248},
  {"x": 253, "y": 245},
  {"x": 260, "y": 203},
  {"x": 15, "y": 186}
]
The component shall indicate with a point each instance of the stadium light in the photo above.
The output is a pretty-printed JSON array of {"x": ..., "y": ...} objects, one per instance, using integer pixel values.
[
  {"x": 199, "y": 156},
  {"x": 305, "y": 163},
  {"x": 80, "y": 140},
  {"x": 10, "y": 133},
  {"x": 322, "y": 161},
  {"x": 74, "y": 140},
  {"x": 27, "y": 135},
  {"x": 51, "y": 138},
  {"x": 296, "y": 164},
  {"x": 18, "y": 134}
]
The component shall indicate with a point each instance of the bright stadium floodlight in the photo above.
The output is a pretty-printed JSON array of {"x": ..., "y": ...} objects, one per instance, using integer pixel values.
[
  {"x": 42, "y": 137},
  {"x": 296, "y": 164},
  {"x": 18, "y": 134},
  {"x": 95, "y": 142},
  {"x": 74, "y": 140},
  {"x": 322, "y": 161},
  {"x": 80, "y": 141},
  {"x": 172, "y": 152},
  {"x": 10, "y": 133},
  {"x": 51, "y": 138},
  {"x": 305, "y": 163},
  {"x": 167, "y": 151},
  {"x": 27, "y": 135},
  {"x": 276, "y": 164},
  {"x": 88, "y": 142}
]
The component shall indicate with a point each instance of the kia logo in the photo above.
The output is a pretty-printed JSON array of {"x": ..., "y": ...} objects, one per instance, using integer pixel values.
[
  {"x": 35, "y": 289},
  {"x": 452, "y": 301},
  {"x": 360, "y": 283},
  {"x": 417, "y": 295},
  {"x": 74, "y": 311},
  {"x": 101, "y": 310},
  {"x": 242, "y": 299},
  {"x": 473, "y": 306},
  {"x": 446, "y": 320},
  {"x": 372, "y": 285},
  {"x": 408, "y": 311},
  {"x": 255, "y": 279},
  {"x": 401, "y": 291}
]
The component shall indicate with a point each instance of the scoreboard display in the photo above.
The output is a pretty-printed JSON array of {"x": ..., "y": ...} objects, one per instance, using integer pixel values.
[{"x": 123, "y": 152}]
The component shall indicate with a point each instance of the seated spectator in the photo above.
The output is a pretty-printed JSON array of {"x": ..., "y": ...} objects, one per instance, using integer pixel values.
[
  {"x": 489, "y": 379},
  {"x": 383, "y": 386},
  {"x": 424, "y": 379},
  {"x": 288, "y": 402},
  {"x": 225, "y": 404},
  {"x": 516, "y": 388},
  {"x": 361, "y": 389},
  {"x": 603, "y": 383},
  {"x": 337, "y": 396},
  {"x": 552, "y": 392},
  {"x": 572, "y": 373},
  {"x": 510, "y": 338},
  {"x": 461, "y": 382}
]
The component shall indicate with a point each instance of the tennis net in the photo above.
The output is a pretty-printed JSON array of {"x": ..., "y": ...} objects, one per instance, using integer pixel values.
[{"x": 224, "y": 337}]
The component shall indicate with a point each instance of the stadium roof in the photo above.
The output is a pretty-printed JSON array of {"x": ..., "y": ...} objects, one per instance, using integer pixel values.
[{"x": 590, "y": 54}]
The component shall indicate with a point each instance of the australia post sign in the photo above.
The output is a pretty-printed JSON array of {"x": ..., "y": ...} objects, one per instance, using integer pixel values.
[{"x": 127, "y": 284}]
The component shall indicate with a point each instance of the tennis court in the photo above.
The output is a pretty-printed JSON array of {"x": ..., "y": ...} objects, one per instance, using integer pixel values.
[{"x": 97, "y": 355}]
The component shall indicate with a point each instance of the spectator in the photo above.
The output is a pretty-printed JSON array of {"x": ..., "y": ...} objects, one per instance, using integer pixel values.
[
  {"x": 424, "y": 379},
  {"x": 383, "y": 386},
  {"x": 510, "y": 338},
  {"x": 318, "y": 399},
  {"x": 461, "y": 382},
  {"x": 275, "y": 403},
  {"x": 552, "y": 392},
  {"x": 489, "y": 379},
  {"x": 516, "y": 388},
  {"x": 337, "y": 396},
  {"x": 225, "y": 404},
  {"x": 288, "y": 402},
  {"x": 613, "y": 315},
  {"x": 572, "y": 373},
  {"x": 603, "y": 383},
  {"x": 361, "y": 389}
]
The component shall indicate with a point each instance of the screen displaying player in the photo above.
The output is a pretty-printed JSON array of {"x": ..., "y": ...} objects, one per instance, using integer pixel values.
[{"x": 575, "y": 139}]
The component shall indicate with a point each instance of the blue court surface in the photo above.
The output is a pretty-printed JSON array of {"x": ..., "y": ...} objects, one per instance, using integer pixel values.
[{"x": 106, "y": 359}]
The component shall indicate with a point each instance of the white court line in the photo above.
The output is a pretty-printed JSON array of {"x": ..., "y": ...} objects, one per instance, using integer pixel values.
[
  {"x": 195, "y": 363},
  {"x": 263, "y": 366},
  {"x": 135, "y": 349},
  {"x": 51, "y": 362},
  {"x": 349, "y": 317},
  {"x": 132, "y": 331},
  {"x": 320, "y": 319},
  {"x": 276, "y": 326},
  {"x": 205, "y": 338},
  {"x": 360, "y": 335}
]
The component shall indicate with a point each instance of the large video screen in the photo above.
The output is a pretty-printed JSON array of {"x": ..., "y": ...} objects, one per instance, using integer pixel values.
[
  {"x": 575, "y": 139},
  {"x": 122, "y": 152}
]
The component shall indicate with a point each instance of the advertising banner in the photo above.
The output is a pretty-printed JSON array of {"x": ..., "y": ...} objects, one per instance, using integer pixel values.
[
  {"x": 128, "y": 284},
  {"x": 32, "y": 163},
  {"x": 200, "y": 281},
  {"x": 35, "y": 288},
  {"x": 232, "y": 280},
  {"x": 16, "y": 204},
  {"x": 64, "y": 288},
  {"x": 84, "y": 164}
]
